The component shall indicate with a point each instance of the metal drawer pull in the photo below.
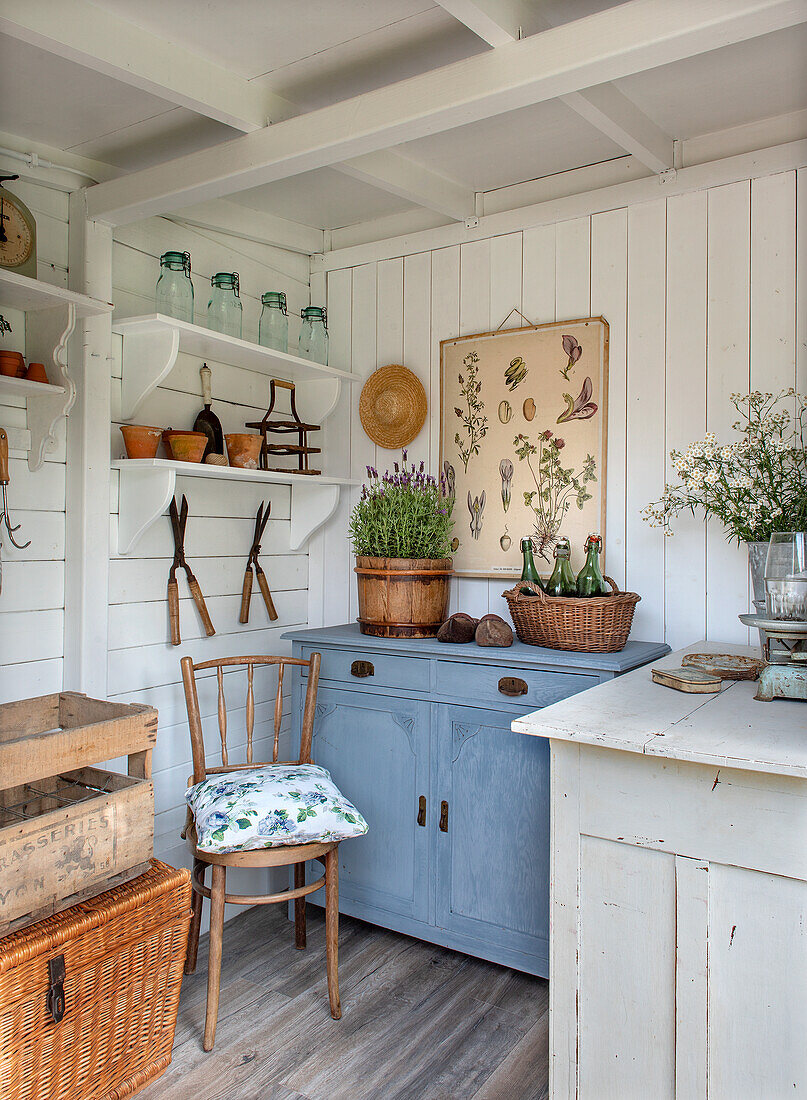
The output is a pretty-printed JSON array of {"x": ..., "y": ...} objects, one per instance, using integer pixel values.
[
  {"x": 511, "y": 685},
  {"x": 422, "y": 810},
  {"x": 444, "y": 817},
  {"x": 362, "y": 668}
]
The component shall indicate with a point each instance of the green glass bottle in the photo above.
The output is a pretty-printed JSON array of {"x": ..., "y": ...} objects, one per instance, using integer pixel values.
[
  {"x": 562, "y": 582},
  {"x": 590, "y": 581},
  {"x": 529, "y": 571}
]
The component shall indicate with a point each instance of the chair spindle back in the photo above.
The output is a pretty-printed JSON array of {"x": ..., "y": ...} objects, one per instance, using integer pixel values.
[{"x": 189, "y": 671}]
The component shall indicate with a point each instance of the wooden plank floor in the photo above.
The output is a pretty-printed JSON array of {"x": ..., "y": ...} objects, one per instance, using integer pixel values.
[{"x": 419, "y": 1022}]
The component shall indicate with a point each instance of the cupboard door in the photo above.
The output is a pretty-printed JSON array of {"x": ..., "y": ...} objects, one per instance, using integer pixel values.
[
  {"x": 377, "y": 750},
  {"x": 492, "y": 844}
]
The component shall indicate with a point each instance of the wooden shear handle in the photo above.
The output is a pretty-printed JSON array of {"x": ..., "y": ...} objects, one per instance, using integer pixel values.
[
  {"x": 201, "y": 606},
  {"x": 246, "y": 596},
  {"x": 267, "y": 595},
  {"x": 173, "y": 610}
]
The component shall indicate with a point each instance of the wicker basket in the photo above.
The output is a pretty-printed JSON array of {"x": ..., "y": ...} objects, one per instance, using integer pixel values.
[
  {"x": 123, "y": 954},
  {"x": 597, "y": 624}
]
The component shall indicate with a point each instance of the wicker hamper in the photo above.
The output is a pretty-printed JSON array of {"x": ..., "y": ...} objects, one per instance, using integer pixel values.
[
  {"x": 89, "y": 997},
  {"x": 598, "y": 624}
]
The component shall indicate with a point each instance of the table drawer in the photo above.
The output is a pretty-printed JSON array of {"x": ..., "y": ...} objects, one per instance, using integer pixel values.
[
  {"x": 354, "y": 667},
  {"x": 476, "y": 683}
]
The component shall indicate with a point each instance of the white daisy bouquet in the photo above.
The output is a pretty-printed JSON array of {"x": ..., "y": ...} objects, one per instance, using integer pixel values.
[{"x": 754, "y": 485}]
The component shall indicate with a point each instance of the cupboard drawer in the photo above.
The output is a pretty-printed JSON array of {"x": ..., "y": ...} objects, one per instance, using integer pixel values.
[
  {"x": 354, "y": 667},
  {"x": 496, "y": 683}
]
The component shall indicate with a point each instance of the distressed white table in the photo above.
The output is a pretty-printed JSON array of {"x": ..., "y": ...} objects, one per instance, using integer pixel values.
[{"x": 678, "y": 927}]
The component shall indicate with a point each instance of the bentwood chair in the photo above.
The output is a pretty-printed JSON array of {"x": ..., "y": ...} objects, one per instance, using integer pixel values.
[{"x": 326, "y": 851}]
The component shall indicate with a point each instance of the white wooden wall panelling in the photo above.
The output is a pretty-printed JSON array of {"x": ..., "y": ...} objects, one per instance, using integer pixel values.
[
  {"x": 317, "y": 577},
  {"x": 135, "y": 580},
  {"x": 475, "y": 267},
  {"x": 46, "y": 532},
  {"x": 506, "y": 292},
  {"x": 417, "y": 345},
  {"x": 538, "y": 291},
  {"x": 646, "y": 393},
  {"x": 33, "y": 678},
  {"x": 31, "y": 636},
  {"x": 573, "y": 269},
  {"x": 215, "y": 536},
  {"x": 773, "y": 282},
  {"x": 609, "y": 299},
  {"x": 31, "y": 586},
  {"x": 727, "y": 372},
  {"x": 685, "y": 552},
  {"x": 801, "y": 281},
  {"x": 365, "y": 361},
  {"x": 445, "y": 320}
]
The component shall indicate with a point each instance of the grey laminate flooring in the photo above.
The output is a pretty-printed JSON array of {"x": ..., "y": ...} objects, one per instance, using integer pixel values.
[{"x": 419, "y": 1022}]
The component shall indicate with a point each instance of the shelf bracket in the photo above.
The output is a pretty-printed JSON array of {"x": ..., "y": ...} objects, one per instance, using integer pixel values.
[
  {"x": 320, "y": 396},
  {"x": 143, "y": 496},
  {"x": 311, "y": 506},
  {"x": 147, "y": 358},
  {"x": 46, "y": 334}
]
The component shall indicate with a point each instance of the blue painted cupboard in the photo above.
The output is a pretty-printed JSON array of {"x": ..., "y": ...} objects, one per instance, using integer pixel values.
[{"x": 418, "y": 735}]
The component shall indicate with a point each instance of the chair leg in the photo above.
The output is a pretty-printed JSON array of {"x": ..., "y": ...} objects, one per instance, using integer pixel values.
[
  {"x": 332, "y": 929},
  {"x": 196, "y": 919},
  {"x": 299, "y": 908},
  {"x": 217, "y": 889}
]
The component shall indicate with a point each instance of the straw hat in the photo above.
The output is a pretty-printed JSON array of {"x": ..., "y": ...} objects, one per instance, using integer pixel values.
[{"x": 392, "y": 406}]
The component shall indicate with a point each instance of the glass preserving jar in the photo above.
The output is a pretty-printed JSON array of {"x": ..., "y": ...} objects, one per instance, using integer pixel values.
[
  {"x": 273, "y": 328},
  {"x": 224, "y": 310},
  {"x": 174, "y": 293},
  {"x": 313, "y": 342}
]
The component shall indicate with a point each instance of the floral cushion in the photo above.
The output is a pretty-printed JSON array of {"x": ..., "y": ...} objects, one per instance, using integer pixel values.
[{"x": 270, "y": 806}]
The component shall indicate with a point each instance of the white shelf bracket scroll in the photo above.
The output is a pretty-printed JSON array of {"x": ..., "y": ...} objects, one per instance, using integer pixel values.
[
  {"x": 46, "y": 334},
  {"x": 143, "y": 496},
  {"x": 311, "y": 506},
  {"x": 148, "y": 358}
]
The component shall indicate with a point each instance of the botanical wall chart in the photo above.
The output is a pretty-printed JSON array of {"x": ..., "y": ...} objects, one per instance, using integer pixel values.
[{"x": 523, "y": 420}]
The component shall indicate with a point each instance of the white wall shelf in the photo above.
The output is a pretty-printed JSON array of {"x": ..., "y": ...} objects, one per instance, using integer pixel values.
[
  {"x": 22, "y": 292},
  {"x": 151, "y": 344},
  {"x": 21, "y": 387},
  {"x": 148, "y": 484}
]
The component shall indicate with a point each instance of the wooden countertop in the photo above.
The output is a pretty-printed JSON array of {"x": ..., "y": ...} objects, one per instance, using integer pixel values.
[{"x": 728, "y": 729}]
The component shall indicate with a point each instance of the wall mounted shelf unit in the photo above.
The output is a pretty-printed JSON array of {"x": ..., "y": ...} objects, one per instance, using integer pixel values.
[
  {"x": 147, "y": 486},
  {"x": 151, "y": 344},
  {"x": 51, "y": 313}
]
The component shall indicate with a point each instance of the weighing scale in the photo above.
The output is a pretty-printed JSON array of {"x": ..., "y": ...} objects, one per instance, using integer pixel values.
[{"x": 785, "y": 672}]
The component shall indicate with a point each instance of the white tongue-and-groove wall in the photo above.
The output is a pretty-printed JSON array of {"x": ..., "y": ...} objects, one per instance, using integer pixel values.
[
  {"x": 32, "y": 597},
  {"x": 702, "y": 292}
]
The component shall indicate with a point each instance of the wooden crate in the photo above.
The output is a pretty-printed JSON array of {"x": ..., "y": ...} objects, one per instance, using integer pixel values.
[
  {"x": 88, "y": 998},
  {"x": 68, "y": 828}
]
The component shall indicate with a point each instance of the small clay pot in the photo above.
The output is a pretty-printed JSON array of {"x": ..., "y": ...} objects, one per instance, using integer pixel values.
[
  {"x": 187, "y": 446},
  {"x": 244, "y": 449},
  {"x": 140, "y": 440},
  {"x": 12, "y": 364},
  {"x": 36, "y": 373}
]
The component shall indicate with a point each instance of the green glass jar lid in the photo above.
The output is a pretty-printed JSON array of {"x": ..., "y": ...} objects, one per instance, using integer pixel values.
[
  {"x": 177, "y": 261},
  {"x": 313, "y": 313},
  {"x": 274, "y": 298},
  {"x": 226, "y": 280}
]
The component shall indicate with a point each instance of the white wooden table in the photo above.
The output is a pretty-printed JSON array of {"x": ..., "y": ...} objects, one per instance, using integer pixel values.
[{"x": 678, "y": 929}]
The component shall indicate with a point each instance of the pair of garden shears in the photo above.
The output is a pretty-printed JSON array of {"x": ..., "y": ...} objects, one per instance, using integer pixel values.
[{"x": 252, "y": 561}]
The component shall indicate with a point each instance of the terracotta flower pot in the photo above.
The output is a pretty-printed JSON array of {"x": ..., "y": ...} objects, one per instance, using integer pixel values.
[
  {"x": 186, "y": 446},
  {"x": 140, "y": 440},
  {"x": 12, "y": 364},
  {"x": 243, "y": 449},
  {"x": 403, "y": 597},
  {"x": 36, "y": 373}
]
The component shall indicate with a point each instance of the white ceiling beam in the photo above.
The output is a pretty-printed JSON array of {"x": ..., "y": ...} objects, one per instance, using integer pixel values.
[
  {"x": 611, "y": 44},
  {"x": 107, "y": 44},
  {"x": 498, "y": 22},
  {"x": 252, "y": 225},
  {"x": 411, "y": 181}
]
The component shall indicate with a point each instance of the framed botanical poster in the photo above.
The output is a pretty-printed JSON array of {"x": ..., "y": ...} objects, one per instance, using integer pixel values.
[{"x": 523, "y": 419}]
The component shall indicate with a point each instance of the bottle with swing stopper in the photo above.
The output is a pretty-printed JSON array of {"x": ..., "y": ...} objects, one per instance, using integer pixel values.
[
  {"x": 590, "y": 581},
  {"x": 562, "y": 582},
  {"x": 529, "y": 571}
]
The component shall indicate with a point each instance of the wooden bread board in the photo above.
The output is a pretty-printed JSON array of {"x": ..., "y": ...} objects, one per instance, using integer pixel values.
[{"x": 690, "y": 680}]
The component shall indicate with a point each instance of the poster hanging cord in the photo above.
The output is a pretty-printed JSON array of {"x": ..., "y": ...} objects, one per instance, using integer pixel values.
[{"x": 515, "y": 309}]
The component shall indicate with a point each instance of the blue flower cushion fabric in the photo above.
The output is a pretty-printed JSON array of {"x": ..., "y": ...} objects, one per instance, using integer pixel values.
[{"x": 269, "y": 806}]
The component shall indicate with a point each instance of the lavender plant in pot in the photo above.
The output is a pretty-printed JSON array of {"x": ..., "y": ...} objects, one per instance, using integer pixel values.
[{"x": 400, "y": 530}]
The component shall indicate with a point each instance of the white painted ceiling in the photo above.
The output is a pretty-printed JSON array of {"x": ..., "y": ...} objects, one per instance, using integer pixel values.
[{"x": 322, "y": 51}]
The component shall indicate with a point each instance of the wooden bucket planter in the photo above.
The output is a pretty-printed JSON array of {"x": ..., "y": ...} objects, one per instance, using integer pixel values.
[{"x": 403, "y": 597}]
